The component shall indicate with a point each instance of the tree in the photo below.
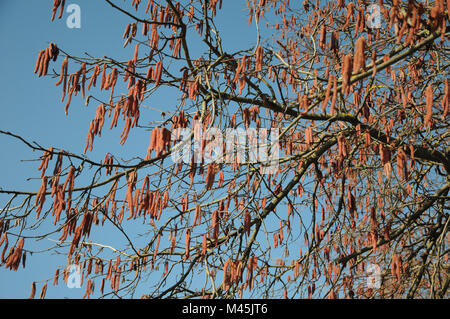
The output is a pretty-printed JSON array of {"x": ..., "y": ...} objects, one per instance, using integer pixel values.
[{"x": 346, "y": 106}]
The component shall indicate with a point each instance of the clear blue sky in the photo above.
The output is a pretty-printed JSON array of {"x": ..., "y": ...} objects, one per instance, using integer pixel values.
[{"x": 30, "y": 106}]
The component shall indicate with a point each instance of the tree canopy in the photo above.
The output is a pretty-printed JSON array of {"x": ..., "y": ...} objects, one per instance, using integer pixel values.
[{"x": 313, "y": 163}]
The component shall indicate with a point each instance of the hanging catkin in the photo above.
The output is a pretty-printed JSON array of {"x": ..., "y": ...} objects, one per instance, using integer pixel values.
[
  {"x": 334, "y": 44},
  {"x": 448, "y": 9},
  {"x": 43, "y": 291},
  {"x": 102, "y": 84},
  {"x": 323, "y": 37},
  {"x": 63, "y": 73},
  {"x": 55, "y": 278},
  {"x": 215, "y": 225},
  {"x": 446, "y": 97},
  {"x": 221, "y": 179},
  {"x": 334, "y": 98},
  {"x": 187, "y": 240},
  {"x": 155, "y": 253},
  {"x": 327, "y": 93},
  {"x": 259, "y": 59},
  {"x": 429, "y": 105},
  {"x": 210, "y": 176},
  {"x": 360, "y": 58},
  {"x": 33, "y": 290},
  {"x": 347, "y": 67},
  {"x": 93, "y": 79},
  {"x": 158, "y": 72},
  {"x": 204, "y": 244}
]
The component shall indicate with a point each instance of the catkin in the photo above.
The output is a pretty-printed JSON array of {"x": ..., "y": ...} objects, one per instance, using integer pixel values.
[
  {"x": 61, "y": 10},
  {"x": 429, "y": 105},
  {"x": 5, "y": 240},
  {"x": 157, "y": 246},
  {"x": 136, "y": 53},
  {"x": 401, "y": 164},
  {"x": 127, "y": 31},
  {"x": 210, "y": 176},
  {"x": 359, "y": 61},
  {"x": 308, "y": 136},
  {"x": 221, "y": 178},
  {"x": 55, "y": 279},
  {"x": 323, "y": 37},
  {"x": 158, "y": 73},
  {"x": 40, "y": 197},
  {"x": 446, "y": 97},
  {"x": 33, "y": 290},
  {"x": 334, "y": 98},
  {"x": 327, "y": 93},
  {"x": 43, "y": 291},
  {"x": 63, "y": 71},
  {"x": 334, "y": 44},
  {"x": 187, "y": 240},
  {"x": 347, "y": 67},
  {"x": 247, "y": 221},
  {"x": 42, "y": 62},
  {"x": 93, "y": 79},
  {"x": 259, "y": 59},
  {"x": 102, "y": 85},
  {"x": 204, "y": 244},
  {"x": 38, "y": 61},
  {"x": 448, "y": 9},
  {"x": 215, "y": 225},
  {"x": 226, "y": 284},
  {"x": 154, "y": 138},
  {"x": 47, "y": 58}
]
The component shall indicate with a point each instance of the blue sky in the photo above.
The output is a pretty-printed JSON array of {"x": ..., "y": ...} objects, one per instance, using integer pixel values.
[{"x": 31, "y": 107}]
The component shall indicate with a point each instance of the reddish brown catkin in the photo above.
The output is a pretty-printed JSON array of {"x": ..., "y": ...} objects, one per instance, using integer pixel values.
[
  {"x": 210, "y": 175},
  {"x": 55, "y": 8},
  {"x": 327, "y": 94},
  {"x": 43, "y": 291},
  {"x": 127, "y": 31},
  {"x": 93, "y": 79},
  {"x": 204, "y": 244},
  {"x": 448, "y": 9},
  {"x": 61, "y": 9},
  {"x": 259, "y": 59},
  {"x": 38, "y": 61},
  {"x": 136, "y": 53},
  {"x": 102, "y": 85},
  {"x": 334, "y": 98},
  {"x": 63, "y": 71},
  {"x": 221, "y": 179},
  {"x": 347, "y": 67},
  {"x": 334, "y": 45},
  {"x": 323, "y": 37},
  {"x": 48, "y": 56},
  {"x": 42, "y": 62},
  {"x": 83, "y": 79},
  {"x": 374, "y": 65},
  {"x": 158, "y": 73},
  {"x": 55, "y": 279},
  {"x": 157, "y": 246},
  {"x": 33, "y": 290},
  {"x": 359, "y": 61},
  {"x": 446, "y": 97},
  {"x": 187, "y": 239},
  {"x": 429, "y": 105}
]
